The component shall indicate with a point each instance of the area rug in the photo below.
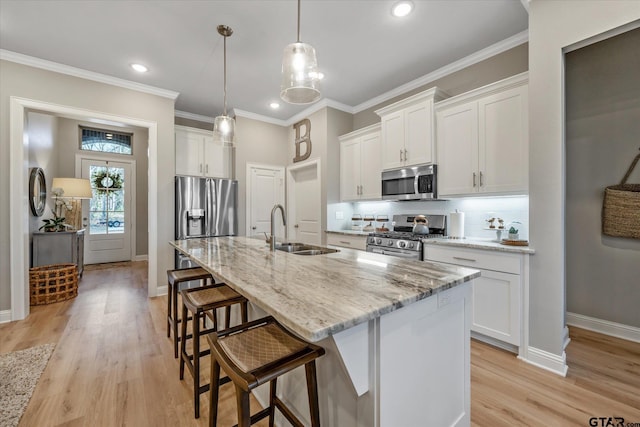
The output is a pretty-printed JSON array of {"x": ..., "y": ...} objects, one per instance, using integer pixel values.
[{"x": 19, "y": 374}]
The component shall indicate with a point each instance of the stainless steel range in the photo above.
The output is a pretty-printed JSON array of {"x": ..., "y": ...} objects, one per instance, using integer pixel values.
[{"x": 401, "y": 241}]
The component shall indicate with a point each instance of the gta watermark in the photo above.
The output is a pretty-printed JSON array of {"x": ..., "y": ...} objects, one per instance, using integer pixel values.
[{"x": 611, "y": 422}]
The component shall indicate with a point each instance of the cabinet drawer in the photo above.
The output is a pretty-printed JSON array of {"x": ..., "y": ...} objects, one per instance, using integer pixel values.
[
  {"x": 475, "y": 258},
  {"x": 347, "y": 241}
]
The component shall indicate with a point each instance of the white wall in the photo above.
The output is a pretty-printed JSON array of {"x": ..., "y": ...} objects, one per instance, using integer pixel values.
[{"x": 554, "y": 25}]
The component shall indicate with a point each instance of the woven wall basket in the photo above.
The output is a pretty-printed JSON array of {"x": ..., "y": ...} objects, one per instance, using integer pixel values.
[
  {"x": 621, "y": 208},
  {"x": 53, "y": 283}
]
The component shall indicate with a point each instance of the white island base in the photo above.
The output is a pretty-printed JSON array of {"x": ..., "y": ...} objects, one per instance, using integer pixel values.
[{"x": 407, "y": 368}]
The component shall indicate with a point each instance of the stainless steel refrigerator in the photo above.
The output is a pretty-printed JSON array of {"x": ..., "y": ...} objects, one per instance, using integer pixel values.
[{"x": 205, "y": 207}]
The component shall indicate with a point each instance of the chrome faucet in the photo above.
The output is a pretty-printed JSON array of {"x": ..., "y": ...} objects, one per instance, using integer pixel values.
[{"x": 273, "y": 226}]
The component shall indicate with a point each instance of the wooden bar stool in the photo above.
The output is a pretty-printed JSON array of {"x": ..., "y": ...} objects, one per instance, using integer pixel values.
[
  {"x": 174, "y": 279},
  {"x": 255, "y": 353},
  {"x": 203, "y": 302}
]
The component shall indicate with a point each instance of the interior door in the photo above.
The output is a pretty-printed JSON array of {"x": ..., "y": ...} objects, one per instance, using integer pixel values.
[
  {"x": 107, "y": 216},
  {"x": 266, "y": 189},
  {"x": 304, "y": 213}
]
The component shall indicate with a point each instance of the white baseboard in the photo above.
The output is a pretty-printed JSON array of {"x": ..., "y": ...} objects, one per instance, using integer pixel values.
[
  {"x": 5, "y": 316},
  {"x": 494, "y": 342},
  {"x": 141, "y": 258},
  {"x": 545, "y": 360},
  {"x": 567, "y": 340},
  {"x": 162, "y": 290},
  {"x": 605, "y": 327}
]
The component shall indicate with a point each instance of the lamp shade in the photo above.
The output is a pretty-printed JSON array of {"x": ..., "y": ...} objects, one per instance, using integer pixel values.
[
  {"x": 224, "y": 128},
  {"x": 300, "y": 77},
  {"x": 76, "y": 188}
]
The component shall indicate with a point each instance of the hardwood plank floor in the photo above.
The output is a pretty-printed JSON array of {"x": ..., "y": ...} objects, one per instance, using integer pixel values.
[{"x": 113, "y": 366}]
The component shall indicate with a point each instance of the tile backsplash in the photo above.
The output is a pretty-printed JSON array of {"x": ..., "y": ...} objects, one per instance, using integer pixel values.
[{"x": 477, "y": 210}]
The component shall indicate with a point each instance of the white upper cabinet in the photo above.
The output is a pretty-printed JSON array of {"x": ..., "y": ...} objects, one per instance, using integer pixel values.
[
  {"x": 198, "y": 154},
  {"x": 408, "y": 131},
  {"x": 483, "y": 140},
  {"x": 360, "y": 165}
]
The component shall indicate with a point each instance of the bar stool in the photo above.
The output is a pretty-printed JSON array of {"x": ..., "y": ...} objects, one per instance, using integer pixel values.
[
  {"x": 203, "y": 302},
  {"x": 174, "y": 279},
  {"x": 255, "y": 353}
]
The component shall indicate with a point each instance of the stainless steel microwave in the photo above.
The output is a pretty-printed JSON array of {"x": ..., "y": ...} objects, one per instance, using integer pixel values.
[{"x": 412, "y": 183}]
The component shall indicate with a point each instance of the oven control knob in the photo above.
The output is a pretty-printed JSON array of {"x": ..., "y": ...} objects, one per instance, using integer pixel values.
[
  {"x": 372, "y": 239},
  {"x": 379, "y": 241},
  {"x": 390, "y": 243},
  {"x": 411, "y": 245},
  {"x": 402, "y": 244}
]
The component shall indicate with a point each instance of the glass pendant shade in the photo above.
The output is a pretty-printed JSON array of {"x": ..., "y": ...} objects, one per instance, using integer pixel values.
[
  {"x": 224, "y": 128},
  {"x": 300, "y": 78}
]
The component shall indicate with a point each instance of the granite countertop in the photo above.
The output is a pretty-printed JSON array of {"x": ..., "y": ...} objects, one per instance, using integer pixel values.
[
  {"x": 316, "y": 296},
  {"x": 479, "y": 243},
  {"x": 350, "y": 232}
]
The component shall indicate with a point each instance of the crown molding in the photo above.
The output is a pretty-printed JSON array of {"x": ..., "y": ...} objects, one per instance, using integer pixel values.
[
  {"x": 323, "y": 103},
  {"x": 192, "y": 116},
  {"x": 259, "y": 117},
  {"x": 465, "y": 62},
  {"x": 31, "y": 61}
]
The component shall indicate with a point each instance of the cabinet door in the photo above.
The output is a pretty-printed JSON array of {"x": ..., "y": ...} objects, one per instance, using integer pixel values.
[
  {"x": 216, "y": 158},
  {"x": 371, "y": 167},
  {"x": 393, "y": 140},
  {"x": 457, "y": 151},
  {"x": 418, "y": 134},
  {"x": 496, "y": 305},
  {"x": 189, "y": 148},
  {"x": 503, "y": 142},
  {"x": 350, "y": 169}
]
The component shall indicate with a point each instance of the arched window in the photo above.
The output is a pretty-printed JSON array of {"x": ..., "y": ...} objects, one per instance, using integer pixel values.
[{"x": 105, "y": 141}]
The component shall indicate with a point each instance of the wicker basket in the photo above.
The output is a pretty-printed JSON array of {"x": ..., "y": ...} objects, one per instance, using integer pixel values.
[
  {"x": 53, "y": 283},
  {"x": 621, "y": 208}
]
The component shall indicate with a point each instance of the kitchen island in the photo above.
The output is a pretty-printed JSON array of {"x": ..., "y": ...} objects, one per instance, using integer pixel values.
[{"x": 396, "y": 332}]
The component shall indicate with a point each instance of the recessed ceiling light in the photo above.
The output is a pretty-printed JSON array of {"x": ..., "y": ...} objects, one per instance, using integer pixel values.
[
  {"x": 274, "y": 105},
  {"x": 402, "y": 8},
  {"x": 139, "y": 68}
]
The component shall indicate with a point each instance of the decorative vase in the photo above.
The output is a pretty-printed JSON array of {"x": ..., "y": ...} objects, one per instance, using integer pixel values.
[{"x": 514, "y": 236}]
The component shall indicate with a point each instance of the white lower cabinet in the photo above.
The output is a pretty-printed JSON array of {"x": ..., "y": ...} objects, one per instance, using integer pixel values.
[
  {"x": 347, "y": 241},
  {"x": 497, "y": 293}
]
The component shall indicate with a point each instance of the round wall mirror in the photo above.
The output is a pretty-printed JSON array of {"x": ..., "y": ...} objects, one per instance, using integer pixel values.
[{"x": 37, "y": 191}]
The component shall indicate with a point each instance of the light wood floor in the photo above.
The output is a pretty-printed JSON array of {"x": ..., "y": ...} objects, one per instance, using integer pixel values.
[{"x": 113, "y": 366}]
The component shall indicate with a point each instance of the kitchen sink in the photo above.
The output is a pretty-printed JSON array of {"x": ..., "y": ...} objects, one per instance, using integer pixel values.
[{"x": 303, "y": 249}]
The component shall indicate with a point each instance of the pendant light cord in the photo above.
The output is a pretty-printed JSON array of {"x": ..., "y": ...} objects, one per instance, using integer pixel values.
[
  {"x": 225, "y": 76},
  {"x": 298, "y": 21}
]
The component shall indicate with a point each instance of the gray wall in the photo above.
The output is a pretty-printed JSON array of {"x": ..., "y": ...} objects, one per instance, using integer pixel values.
[
  {"x": 69, "y": 146},
  {"x": 43, "y": 153},
  {"x": 603, "y": 124},
  {"x": 506, "y": 64},
  {"x": 554, "y": 25},
  {"x": 256, "y": 142},
  {"x": 58, "y": 89}
]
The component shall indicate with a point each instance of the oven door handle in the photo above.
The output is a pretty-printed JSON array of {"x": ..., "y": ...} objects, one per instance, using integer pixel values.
[{"x": 412, "y": 255}]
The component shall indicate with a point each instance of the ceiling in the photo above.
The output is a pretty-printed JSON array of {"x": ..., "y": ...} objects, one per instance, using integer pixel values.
[{"x": 362, "y": 49}]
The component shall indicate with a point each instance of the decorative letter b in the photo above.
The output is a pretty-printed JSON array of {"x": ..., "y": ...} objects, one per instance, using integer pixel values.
[{"x": 306, "y": 138}]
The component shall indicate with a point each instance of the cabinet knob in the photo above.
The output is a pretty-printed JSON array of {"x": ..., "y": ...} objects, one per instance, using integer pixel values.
[
  {"x": 254, "y": 227},
  {"x": 295, "y": 226}
]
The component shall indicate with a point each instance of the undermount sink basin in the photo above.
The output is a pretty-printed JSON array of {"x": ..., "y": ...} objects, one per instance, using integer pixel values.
[{"x": 303, "y": 249}]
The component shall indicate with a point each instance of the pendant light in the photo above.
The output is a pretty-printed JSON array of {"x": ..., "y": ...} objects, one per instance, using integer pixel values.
[
  {"x": 224, "y": 126},
  {"x": 300, "y": 77}
]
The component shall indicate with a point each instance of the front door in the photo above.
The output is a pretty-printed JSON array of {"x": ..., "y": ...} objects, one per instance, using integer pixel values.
[{"x": 107, "y": 216}]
